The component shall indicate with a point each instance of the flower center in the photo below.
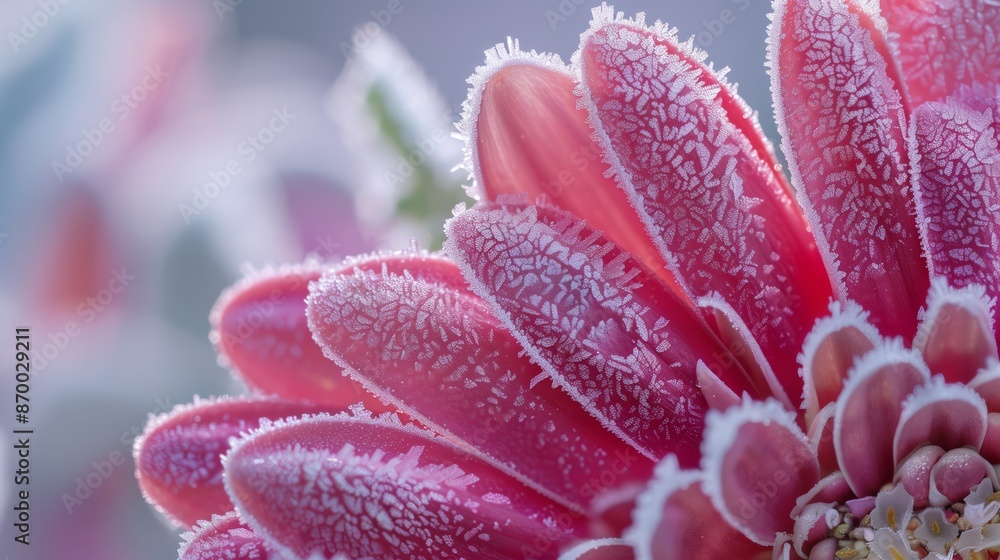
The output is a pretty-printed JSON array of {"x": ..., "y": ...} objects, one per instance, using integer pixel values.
[{"x": 891, "y": 530}]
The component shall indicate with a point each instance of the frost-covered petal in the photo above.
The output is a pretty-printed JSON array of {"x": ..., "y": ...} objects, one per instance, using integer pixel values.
[
  {"x": 840, "y": 112},
  {"x": 684, "y": 148},
  {"x": 600, "y": 549},
  {"x": 832, "y": 488},
  {"x": 956, "y": 331},
  {"x": 674, "y": 518},
  {"x": 717, "y": 395},
  {"x": 991, "y": 444},
  {"x": 437, "y": 353},
  {"x": 943, "y": 44},
  {"x": 178, "y": 457},
  {"x": 604, "y": 329},
  {"x": 225, "y": 537},
  {"x": 956, "y": 167},
  {"x": 821, "y": 438},
  {"x": 914, "y": 474},
  {"x": 757, "y": 463},
  {"x": 956, "y": 473},
  {"x": 811, "y": 526},
  {"x": 868, "y": 411},
  {"x": 949, "y": 416},
  {"x": 525, "y": 134},
  {"x": 829, "y": 352},
  {"x": 259, "y": 329},
  {"x": 987, "y": 384},
  {"x": 363, "y": 487}
]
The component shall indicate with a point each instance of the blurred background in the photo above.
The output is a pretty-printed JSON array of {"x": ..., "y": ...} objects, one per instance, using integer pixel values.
[{"x": 152, "y": 152}]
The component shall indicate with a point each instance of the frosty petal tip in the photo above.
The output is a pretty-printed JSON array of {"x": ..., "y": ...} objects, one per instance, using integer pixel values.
[{"x": 497, "y": 58}]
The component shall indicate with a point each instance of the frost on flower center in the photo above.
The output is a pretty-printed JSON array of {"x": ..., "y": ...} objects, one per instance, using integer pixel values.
[{"x": 892, "y": 530}]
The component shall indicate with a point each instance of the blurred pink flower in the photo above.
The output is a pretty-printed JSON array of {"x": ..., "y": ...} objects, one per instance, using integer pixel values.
[{"x": 816, "y": 371}]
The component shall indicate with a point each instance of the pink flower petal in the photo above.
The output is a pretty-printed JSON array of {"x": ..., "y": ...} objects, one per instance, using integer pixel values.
[
  {"x": 675, "y": 519},
  {"x": 373, "y": 487},
  {"x": 601, "y": 549},
  {"x": 757, "y": 463},
  {"x": 956, "y": 474},
  {"x": 841, "y": 118},
  {"x": 259, "y": 329},
  {"x": 987, "y": 384},
  {"x": 525, "y": 134},
  {"x": 717, "y": 395},
  {"x": 945, "y": 43},
  {"x": 225, "y": 536},
  {"x": 956, "y": 331},
  {"x": 832, "y": 488},
  {"x": 868, "y": 410},
  {"x": 991, "y": 443},
  {"x": 914, "y": 474},
  {"x": 811, "y": 527},
  {"x": 829, "y": 352},
  {"x": 603, "y": 328},
  {"x": 743, "y": 346},
  {"x": 438, "y": 354},
  {"x": 957, "y": 171},
  {"x": 949, "y": 416},
  {"x": 678, "y": 140},
  {"x": 821, "y": 438},
  {"x": 178, "y": 458}
]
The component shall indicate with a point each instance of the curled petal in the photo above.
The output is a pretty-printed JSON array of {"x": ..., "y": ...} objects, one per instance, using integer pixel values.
[
  {"x": 373, "y": 487},
  {"x": 821, "y": 438},
  {"x": 831, "y": 489},
  {"x": 829, "y": 352},
  {"x": 944, "y": 44},
  {"x": 525, "y": 134},
  {"x": 674, "y": 518},
  {"x": 757, "y": 463},
  {"x": 717, "y": 394},
  {"x": 811, "y": 526},
  {"x": 956, "y": 154},
  {"x": 685, "y": 150},
  {"x": 987, "y": 384},
  {"x": 868, "y": 411},
  {"x": 956, "y": 331},
  {"x": 914, "y": 474},
  {"x": 949, "y": 416},
  {"x": 598, "y": 323},
  {"x": 956, "y": 474},
  {"x": 178, "y": 458},
  {"x": 601, "y": 549},
  {"x": 225, "y": 536},
  {"x": 437, "y": 353},
  {"x": 991, "y": 443},
  {"x": 840, "y": 112}
]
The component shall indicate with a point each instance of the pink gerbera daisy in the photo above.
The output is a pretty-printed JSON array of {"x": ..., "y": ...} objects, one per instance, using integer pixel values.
[{"x": 641, "y": 341}]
